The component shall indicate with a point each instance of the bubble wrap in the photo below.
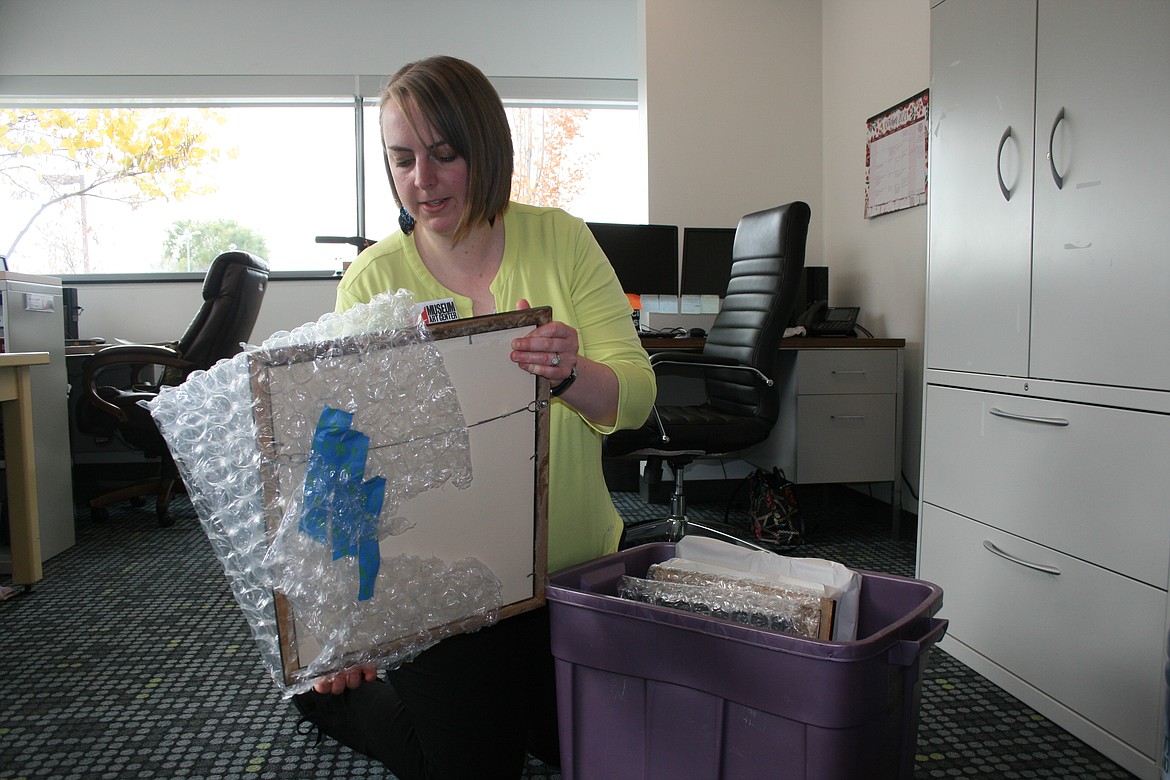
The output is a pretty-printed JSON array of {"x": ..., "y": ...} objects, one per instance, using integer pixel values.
[
  {"x": 298, "y": 455},
  {"x": 756, "y": 603}
]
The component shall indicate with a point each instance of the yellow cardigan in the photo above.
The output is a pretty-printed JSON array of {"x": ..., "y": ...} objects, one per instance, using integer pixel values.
[{"x": 551, "y": 259}]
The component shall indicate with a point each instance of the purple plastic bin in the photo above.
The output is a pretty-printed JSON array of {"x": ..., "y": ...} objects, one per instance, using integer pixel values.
[{"x": 652, "y": 693}]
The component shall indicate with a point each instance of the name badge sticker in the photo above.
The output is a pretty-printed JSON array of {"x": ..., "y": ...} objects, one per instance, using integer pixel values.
[{"x": 442, "y": 310}]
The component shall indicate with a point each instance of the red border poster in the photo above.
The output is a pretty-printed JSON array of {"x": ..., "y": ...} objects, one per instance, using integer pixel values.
[{"x": 895, "y": 157}]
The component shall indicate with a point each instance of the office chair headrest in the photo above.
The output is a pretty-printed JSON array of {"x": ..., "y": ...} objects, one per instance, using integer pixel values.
[
  {"x": 223, "y": 264},
  {"x": 771, "y": 233}
]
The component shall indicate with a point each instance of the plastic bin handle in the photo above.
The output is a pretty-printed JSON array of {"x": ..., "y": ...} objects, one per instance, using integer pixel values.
[{"x": 906, "y": 651}]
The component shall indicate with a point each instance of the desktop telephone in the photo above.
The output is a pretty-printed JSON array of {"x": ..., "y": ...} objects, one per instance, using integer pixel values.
[{"x": 822, "y": 320}]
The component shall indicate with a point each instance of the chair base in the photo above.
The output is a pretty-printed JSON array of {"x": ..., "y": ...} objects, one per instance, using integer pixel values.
[
  {"x": 677, "y": 524},
  {"x": 161, "y": 488}
]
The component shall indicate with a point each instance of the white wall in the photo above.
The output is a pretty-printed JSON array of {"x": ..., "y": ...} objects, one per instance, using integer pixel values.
[
  {"x": 875, "y": 55},
  {"x": 160, "y": 311},
  {"x": 732, "y": 100}
]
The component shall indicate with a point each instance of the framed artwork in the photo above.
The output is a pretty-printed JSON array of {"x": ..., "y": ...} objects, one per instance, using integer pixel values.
[
  {"x": 405, "y": 489},
  {"x": 896, "y": 157}
]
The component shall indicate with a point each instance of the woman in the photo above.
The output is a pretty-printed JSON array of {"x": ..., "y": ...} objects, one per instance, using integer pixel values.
[{"x": 474, "y": 704}]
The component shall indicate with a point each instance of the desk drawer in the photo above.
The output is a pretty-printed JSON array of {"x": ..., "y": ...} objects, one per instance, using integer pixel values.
[
  {"x": 837, "y": 371},
  {"x": 1087, "y": 637},
  {"x": 1089, "y": 481},
  {"x": 845, "y": 438}
]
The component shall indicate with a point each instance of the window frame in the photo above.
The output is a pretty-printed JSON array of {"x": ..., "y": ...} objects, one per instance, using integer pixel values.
[{"x": 359, "y": 92}]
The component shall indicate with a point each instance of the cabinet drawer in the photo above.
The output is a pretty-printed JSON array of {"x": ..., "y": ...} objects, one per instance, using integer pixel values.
[
  {"x": 836, "y": 371},
  {"x": 1089, "y": 481},
  {"x": 1089, "y": 638},
  {"x": 845, "y": 438}
]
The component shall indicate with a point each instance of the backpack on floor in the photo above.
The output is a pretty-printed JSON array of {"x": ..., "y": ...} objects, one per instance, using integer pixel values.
[{"x": 772, "y": 509}]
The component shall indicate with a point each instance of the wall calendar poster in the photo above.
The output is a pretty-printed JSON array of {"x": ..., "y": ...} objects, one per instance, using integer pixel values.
[{"x": 895, "y": 157}]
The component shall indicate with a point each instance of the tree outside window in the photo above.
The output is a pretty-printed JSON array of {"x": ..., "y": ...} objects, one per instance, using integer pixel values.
[
  {"x": 55, "y": 162},
  {"x": 546, "y": 171}
]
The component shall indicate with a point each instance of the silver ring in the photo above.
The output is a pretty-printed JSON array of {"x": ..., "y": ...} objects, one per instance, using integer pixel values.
[{"x": 556, "y": 361}]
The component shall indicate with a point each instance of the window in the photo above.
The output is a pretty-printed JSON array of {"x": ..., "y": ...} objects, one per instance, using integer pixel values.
[
  {"x": 579, "y": 158},
  {"x": 147, "y": 190},
  {"x": 133, "y": 189}
]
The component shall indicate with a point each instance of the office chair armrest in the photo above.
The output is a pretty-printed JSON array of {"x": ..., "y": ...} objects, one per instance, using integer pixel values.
[
  {"x": 137, "y": 358},
  {"x": 678, "y": 357},
  {"x": 696, "y": 360},
  {"x": 701, "y": 361}
]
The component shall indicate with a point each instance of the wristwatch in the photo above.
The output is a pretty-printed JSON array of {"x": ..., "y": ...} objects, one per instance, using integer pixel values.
[{"x": 564, "y": 385}]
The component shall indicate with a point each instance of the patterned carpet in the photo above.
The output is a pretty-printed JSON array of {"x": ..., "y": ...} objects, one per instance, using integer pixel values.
[{"x": 131, "y": 659}]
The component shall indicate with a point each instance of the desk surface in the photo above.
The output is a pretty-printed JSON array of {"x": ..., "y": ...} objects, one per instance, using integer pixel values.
[
  {"x": 23, "y": 359},
  {"x": 660, "y": 343}
]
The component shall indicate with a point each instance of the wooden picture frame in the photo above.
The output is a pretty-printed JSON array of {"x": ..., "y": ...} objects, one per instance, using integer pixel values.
[{"x": 500, "y": 519}]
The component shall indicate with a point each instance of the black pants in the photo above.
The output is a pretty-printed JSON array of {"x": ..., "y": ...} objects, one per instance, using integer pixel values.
[{"x": 472, "y": 706}]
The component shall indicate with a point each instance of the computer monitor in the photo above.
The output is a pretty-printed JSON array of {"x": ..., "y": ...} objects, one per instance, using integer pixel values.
[
  {"x": 814, "y": 286},
  {"x": 645, "y": 257},
  {"x": 706, "y": 260}
]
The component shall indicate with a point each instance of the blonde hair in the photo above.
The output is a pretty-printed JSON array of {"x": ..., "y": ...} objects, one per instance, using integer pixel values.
[{"x": 457, "y": 99}]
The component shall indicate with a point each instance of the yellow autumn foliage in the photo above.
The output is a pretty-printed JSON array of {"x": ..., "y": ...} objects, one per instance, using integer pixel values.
[{"x": 48, "y": 155}]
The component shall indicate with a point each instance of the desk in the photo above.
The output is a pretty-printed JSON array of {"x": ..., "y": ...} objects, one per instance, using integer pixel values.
[
  {"x": 20, "y": 463},
  {"x": 840, "y": 412}
]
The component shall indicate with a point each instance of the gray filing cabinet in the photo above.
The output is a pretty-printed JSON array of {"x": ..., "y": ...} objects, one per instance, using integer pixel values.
[
  {"x": 33, "y": 320},
  {"x": 1046, "y": 427}
]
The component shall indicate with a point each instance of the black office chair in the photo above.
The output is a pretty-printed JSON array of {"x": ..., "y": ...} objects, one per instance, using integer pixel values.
[
  {"x": 233, "y": 290},
  {"x": 738, "y": 364}
]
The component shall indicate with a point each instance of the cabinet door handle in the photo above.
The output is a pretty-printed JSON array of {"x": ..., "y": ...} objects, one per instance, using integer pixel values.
[
  {"x": 1056, "y": 177},
  {"x": 847, "y": 417},
  {"x": 1059, "y": 421},
  {"x": 1003, "y": 139},
  {"x": 990, "y": 547},
  {"x": 855, "y": 372}
]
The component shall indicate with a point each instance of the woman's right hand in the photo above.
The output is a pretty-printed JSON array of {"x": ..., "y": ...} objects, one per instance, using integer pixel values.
[{"x": 350, "y": 678}]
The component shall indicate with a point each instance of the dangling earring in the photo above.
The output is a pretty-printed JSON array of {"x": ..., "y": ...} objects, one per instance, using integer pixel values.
[{"x": 405, "y": 221}]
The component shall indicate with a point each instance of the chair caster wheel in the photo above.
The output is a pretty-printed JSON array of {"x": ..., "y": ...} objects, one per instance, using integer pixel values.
[
  {"x": 165, "y": 520},
  {"x": 99, "y": 514}
]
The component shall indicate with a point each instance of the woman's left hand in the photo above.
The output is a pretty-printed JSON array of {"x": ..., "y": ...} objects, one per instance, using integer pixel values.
[
  {"x": 550, "y": 350},
  {"x": 350, "y": 678}
]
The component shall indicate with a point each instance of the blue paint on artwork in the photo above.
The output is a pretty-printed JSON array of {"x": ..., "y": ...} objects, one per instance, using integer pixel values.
[{"x": 339, "y": 508}]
